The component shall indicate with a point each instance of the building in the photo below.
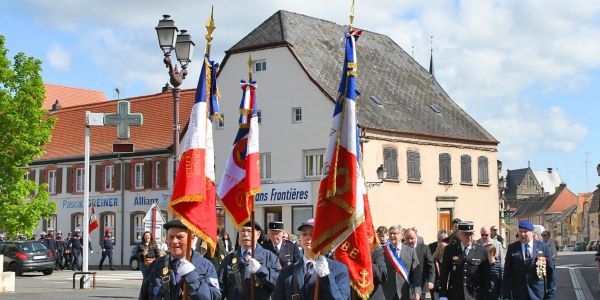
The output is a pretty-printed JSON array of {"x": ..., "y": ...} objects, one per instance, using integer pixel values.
[
  {"x": 120, "y": 201},
  {"x": 522, "y": 183},
  {"x": 594, "y": 215},
  {"x": 58, "y": 96},
  {"x": 440, "y": 162}
]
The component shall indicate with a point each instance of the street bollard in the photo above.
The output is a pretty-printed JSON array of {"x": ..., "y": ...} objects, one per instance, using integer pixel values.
[{"x": 82, "y": 279}]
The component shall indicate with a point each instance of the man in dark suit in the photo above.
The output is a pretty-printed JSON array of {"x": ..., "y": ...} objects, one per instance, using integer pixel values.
[
  {"x": 239, "y": 266},
  {"x": 298, "y": 281},
  {"x": 528, "y": 268},
  {"x": 441, "y": 236},
  {"x": 379, "y": 273},
  {"x": 166, "y": 275},
  {"x": 425, "y": 260},
  {"x": 285, "y": 250},
  {"x": 465, "y": 268},
  {"x": 399, "y": 255}
]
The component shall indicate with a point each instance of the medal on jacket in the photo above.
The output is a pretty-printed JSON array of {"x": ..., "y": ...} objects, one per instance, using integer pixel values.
[
  {"x": 165, "y": 271},
  {"x": 540, "y": 266}
]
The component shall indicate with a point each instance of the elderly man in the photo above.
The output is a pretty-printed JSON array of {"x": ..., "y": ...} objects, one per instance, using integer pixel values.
[
  {"x": 425, "y": 260},
  {"x": 486, "y": 240},
  {"x": 528, "y": 268},
  {"x": 494, "y": 235},
  {"x": 298, "y": 281},
  {"x": 285, "y": 250},
  {"x": 403, "y": 271},
  {"x": 166, "y": 275},
  {"x": 550, "y": 243},
  {"x": 465, "y": 268},
  {"x": 240, "y": 266}
]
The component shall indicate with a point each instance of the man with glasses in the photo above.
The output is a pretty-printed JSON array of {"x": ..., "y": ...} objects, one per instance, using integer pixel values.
[
  {"x": 494, "y": 235},
  {"x": 486, "y": 240},
  {"x": 465, "y": 267},
  {"x": 529, "y": 268}
]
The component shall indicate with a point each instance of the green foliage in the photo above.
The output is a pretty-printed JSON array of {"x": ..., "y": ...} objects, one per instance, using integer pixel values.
[{"x": 24, "y": 128}]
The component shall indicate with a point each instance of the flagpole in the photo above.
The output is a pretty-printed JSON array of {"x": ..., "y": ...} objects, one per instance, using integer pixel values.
[
  {"x": 252, "y": 221},
  {"x": 210, "y": 27}
]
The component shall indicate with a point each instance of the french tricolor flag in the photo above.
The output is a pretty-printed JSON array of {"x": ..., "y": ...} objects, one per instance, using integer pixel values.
[
  {"x": 193, "y": 200},
  {"x": 241, "y": 179}
]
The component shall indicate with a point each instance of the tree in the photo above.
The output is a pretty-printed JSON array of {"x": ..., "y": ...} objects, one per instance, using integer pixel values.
[{"x": 24, "y": 128}]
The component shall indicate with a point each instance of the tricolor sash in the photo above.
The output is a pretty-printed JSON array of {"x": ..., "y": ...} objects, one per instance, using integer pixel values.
[{"x": 396, "y": 262}]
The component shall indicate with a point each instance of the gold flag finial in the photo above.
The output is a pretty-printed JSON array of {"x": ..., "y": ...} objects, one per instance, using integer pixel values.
[
  {"x": 249, "y": 67},
  {"x": 210, "y": 27},
  {"x": 351, "y": 15}
]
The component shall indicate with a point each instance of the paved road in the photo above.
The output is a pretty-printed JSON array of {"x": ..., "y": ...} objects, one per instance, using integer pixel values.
[
  {"x": 59, "y": 286},
  {"x": 577, "y": 279}
]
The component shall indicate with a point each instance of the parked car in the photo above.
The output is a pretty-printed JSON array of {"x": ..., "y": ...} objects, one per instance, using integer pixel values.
[
  {"x": 133, "y": 260},
  {"x": 567, "y": 248},
  {"x": 592, "y": 246},
  {"x": 580, "y": 246},
  {"x": 26, "y": 256}
]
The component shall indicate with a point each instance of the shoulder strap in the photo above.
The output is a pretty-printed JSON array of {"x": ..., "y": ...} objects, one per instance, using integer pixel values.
[{"x": 166, "y": 278}]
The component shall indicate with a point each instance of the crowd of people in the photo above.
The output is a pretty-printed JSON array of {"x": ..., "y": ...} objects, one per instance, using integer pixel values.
[{"x": 456, "y": 266}]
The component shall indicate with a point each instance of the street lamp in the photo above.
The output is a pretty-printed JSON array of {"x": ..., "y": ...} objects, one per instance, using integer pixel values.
[
  {"x": 182, "y": 43},
  {"x": 381, "y": 174},
  {"x": 598, "y": 169}
]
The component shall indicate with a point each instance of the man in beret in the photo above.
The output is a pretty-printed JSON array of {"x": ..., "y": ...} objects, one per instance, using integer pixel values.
[
  {"x": 240, "y": 266},
  {"x": 528, "y": 268},
  {"x": 166, "y": 276},
  {"x": 285, "y": 250},
  {"x": 465, "y": 270},
  {"x": 298, "y": 281}
]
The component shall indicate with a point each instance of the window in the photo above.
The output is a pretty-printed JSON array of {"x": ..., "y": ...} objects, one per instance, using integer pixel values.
[
  {"x": 482, "y": 170},
  {"x": 445, "y": 171},
  {"x": 109, "y": 172},
  {"x": 414, "y": 165},
  {"x": 313, "y": 162},
  {"x": 137, "y": 227},
  {"x": 76, "y": 221},
  {"x": 157, "y": 170},
  {"x": 259, "y": 116},
  {"x": 390, "y": 162},
  {"x": 108, "y": 220},
  {"x": 260, "y": 65},
  {"x": 465, "y": 169},
  {"x": 265, "y": 166},
  {"x": 50, "y": 223},
  {"x": 52, "y": 182},
  {"x": 296, "y": 114},
  {"x": 139, "y": 176},
  {"x": 79, "y": 173},
  {"x": 221, "y": 122},
  {"x": 299, "y": 215}
]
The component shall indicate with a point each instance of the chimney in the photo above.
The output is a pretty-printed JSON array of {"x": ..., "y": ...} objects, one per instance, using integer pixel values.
[
  {"x": 56, "y": 106},
  {"x": 166, "y": 88},
  {"x": 561, "y": 186},
  {"x": 549, "y": 170}
]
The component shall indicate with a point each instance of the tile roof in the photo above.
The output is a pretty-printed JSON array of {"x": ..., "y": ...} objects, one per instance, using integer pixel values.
[
  {"x": 156, "y": 133},
  {"x": 386, "y": 71},
  {"x": 532, "y": 206},
  {"x": 549, "y": 180},
  {"x": 561, "y": 215},
  {"x": 70, "y": 96}
]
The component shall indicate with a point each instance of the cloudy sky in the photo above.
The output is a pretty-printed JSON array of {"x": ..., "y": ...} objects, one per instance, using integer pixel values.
[{"x": 528, "y": 71}]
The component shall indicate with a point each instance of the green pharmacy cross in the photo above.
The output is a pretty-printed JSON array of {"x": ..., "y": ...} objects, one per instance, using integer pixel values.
[{"x": 123, "y": 119}]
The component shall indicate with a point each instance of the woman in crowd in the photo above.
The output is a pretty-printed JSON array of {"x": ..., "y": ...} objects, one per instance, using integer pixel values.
[
  {"x": 227, "y": 242},
  {"x": 495, "y": 289},
  {"x": 147, "y": 252},
  {"x": 437, "y": 264}
]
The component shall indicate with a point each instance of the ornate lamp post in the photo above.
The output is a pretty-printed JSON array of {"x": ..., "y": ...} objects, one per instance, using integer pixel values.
[
  {"x": 182, "y": 43},
  {"x": 381, "y": 174}
]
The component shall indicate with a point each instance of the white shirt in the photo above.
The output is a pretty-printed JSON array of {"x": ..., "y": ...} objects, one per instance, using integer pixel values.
[
  {"x": 466, "y": 247},
  {"x": 306, "y": 261},
  {"x": 530, "y": 245}
]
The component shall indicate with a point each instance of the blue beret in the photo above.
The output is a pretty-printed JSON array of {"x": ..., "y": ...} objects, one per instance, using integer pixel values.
[{"x": 524, "y": 224}]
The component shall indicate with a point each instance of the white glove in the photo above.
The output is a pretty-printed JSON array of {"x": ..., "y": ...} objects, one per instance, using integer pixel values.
[
  {"x": 443, "y": 298},
  {"x": 184, "y": 267},
  {"x": 92, "y": 251},
  {"x": 253, "y": 265},
  {"x": 321, "y": 266}
]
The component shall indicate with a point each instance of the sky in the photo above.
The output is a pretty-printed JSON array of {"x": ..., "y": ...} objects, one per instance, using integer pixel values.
[{"x": 527, "y": 71}]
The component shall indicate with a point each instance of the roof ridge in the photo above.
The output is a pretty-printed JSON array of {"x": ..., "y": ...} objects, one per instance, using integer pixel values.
[{"x": 74, "y": 88}]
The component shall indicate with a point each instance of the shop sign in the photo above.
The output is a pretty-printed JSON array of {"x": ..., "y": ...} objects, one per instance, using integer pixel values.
[
  {"x": 96, "y": 201},
  {"x": 284, "y": 193}
]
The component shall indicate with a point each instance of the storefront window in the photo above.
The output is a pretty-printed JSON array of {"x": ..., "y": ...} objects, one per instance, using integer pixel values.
[{"x": 299, "y": 215}]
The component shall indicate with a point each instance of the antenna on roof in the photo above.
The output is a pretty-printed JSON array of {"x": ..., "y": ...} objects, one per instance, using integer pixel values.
[
  {"x": 412, "y": 53},
  {"x": 118, "y": 93},
  {"x": 431, "y": 59}
]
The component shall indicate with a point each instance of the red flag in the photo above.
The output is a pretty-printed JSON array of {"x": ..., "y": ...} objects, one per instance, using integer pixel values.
[
  {"x": 193, "y": 200},
  {"x": 93, "y": 220},
  {"x": 343, "y": 218},
  {"x": 241, "y": 179}
]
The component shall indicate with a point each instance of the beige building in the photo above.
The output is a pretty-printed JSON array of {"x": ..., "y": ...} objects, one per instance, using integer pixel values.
[{"x": 440, "y": 163}]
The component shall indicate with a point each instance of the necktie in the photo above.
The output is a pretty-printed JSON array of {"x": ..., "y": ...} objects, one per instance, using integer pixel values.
[
  {"x": 309, "y": 270},
  {"x": 398, "y": 252},
  {"x": 175, "y": 264},
  {"x": 527, "y": 254},
  {"x": 466, "y": 251}
]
